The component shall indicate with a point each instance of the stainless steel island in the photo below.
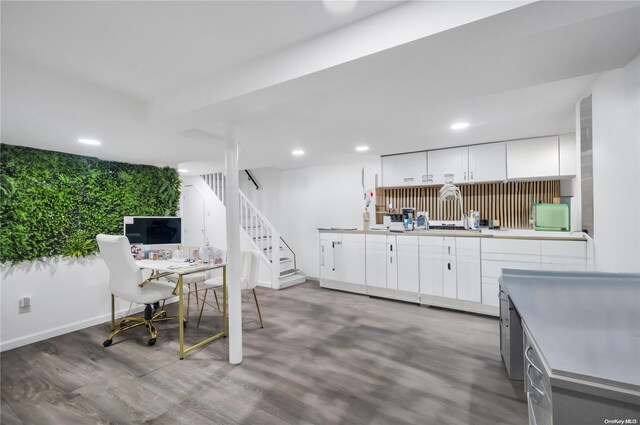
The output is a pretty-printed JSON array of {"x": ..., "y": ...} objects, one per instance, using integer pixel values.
[{"x": 580, "y": 345}]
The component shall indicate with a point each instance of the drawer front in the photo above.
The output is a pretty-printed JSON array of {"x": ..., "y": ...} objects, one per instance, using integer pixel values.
[
  {"x": 575, "y": 249},
  {"x": 511, "y": 246},
  {"x": 537, "y": 387},
  {"x": 493, "y": 269}
]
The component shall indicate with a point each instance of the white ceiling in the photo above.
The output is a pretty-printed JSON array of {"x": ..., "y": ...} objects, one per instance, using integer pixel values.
[
  {"x": 144, "y": 49},
  {"x": 514, "y": 74}
]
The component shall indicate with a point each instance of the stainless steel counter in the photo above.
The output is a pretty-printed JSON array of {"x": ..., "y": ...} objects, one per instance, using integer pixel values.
[{"x": 586, "y": 325}]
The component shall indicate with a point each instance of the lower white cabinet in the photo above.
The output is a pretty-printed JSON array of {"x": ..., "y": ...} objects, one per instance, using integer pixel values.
[
  {"x": 468, "y": 269},
  {"x": 408, "y": 263},
  {"x": 376, "y": 259},
  {"x": 449, "y": 269},
  {"x": 431, "y": 270},
  {"x": 342, "y": 261},
  {"x": 392, "y": 266}
]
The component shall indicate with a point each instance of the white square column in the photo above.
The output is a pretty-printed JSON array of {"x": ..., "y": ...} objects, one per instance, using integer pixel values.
[{"x": 232, "y": 199}]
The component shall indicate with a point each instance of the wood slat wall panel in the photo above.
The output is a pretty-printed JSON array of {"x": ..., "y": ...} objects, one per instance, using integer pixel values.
[{"x": 508, "y": 202}]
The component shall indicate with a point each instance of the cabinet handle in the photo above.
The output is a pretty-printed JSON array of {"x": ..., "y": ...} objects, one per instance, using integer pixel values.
[
  {"x": 472, "y": 175},
  {"x": 322, "y": 250},
  {"x": 526, "y": 356},
  {"x": 465, "y": 175},
  {"x": 449, "y": 266},
  {"x": 391, "y": 260},
  {"x": 449, "y": 250},
  {"x": 391, "y": 248},
  {"x": 538, "y": 390},
  {"x": 503, "y": 299}
]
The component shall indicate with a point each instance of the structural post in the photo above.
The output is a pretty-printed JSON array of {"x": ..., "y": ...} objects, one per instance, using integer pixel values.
[{"x": 233, "y": 245}]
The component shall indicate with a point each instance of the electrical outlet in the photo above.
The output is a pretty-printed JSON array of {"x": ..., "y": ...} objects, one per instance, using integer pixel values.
[{"x": 25, "y": 305}]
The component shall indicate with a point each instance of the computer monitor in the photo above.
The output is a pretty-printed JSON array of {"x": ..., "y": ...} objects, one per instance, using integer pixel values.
[{"x": 153, "y": 230}]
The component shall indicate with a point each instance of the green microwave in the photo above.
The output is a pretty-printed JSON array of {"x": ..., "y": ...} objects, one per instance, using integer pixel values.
[{"x": 551, "y": 217}]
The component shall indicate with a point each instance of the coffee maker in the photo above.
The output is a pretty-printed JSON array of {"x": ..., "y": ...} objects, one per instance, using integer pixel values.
[{"x": 408, "y": 218}]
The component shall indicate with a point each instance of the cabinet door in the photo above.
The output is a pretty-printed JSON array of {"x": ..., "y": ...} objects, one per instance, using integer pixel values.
[
  {"x": 431, "y": 277},
  {"x": 445, "y": 162},
  {"x": 409, "y": 169},
  {"x": 449, "y": 284},
  {"x": 567, "y": 143},
  {"x": 392, "y": 263},
  {"x": 488, "y": 163},
  {"x": 468, "y": 269},
  {"x": 327, "y": 259},
  {"x": 350, "y": 259},
  {"x": 408, "y": 263},
  {"x": 376, "y": 256},
  {"x": 532, "y": 158}
]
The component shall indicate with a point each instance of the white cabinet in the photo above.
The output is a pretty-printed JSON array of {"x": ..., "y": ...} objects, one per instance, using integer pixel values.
[
  {"x": 342, "y": 261},
  {"x": 564, "y": 255},
  {"x": 408, "y": 263},
  {"x": 533, "y": 158},
  {"x": 392, "y": 263},
  {"x": 445, "y": 165},
  {"x": 509, "y": 254},
  {"x": 567, "y": 148},
  {"x": 376, "y": 259},
  {"x": 488, "y": 162},
  {"x": 468, "y": 269},
  {"x": 449, "y": 273},
  {"x": 431, "y": 278},
  {"x": 409, "y": 169}
]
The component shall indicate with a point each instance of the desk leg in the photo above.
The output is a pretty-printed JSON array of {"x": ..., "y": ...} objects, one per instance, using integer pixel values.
[
  {"x": 224, "y": 301},
  {"x": 113, "y": 312},
  {"x": 180, "y": 316}
]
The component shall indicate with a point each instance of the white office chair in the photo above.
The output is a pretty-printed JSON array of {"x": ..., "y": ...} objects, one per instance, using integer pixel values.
[
  {"x": 250, "y": 265},
  {"x": 126, "y": 282}
]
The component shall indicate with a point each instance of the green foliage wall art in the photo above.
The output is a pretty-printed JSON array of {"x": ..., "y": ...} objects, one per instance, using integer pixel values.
[{"x": 54, "y": 203}]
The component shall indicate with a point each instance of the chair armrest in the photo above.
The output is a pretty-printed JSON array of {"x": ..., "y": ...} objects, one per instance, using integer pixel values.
[{"x": 155, "y": 277}]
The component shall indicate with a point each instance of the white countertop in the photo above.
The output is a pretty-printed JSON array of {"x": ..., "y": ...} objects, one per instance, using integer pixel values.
[
  {"x": 483, "y": 233},
  {"x": 587, "y": 325}
]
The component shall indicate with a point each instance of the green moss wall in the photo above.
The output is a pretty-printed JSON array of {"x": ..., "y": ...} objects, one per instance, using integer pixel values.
[{"x": 54, "y": 203}]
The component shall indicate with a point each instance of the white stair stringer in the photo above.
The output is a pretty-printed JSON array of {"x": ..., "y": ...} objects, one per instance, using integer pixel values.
[{"x": 264, "y": 237}]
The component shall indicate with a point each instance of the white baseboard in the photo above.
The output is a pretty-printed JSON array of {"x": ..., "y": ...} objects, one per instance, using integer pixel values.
[{"x": 61, "y": 330}]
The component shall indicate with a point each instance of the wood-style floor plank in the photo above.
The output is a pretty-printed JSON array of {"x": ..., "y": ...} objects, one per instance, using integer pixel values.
[{"x": 324, "y": 357}]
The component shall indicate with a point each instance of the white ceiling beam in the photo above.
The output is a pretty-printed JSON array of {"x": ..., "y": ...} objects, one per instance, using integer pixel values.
[{"x": 402, "y": 24}]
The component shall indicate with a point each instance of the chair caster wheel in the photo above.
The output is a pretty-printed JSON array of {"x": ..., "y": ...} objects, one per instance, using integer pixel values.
[
  {"x": 184, "y": 324},
  {"x": 151, "y": 342},
  {"x": 123, "y": 324},
  {"x": 107, "y": 343}
]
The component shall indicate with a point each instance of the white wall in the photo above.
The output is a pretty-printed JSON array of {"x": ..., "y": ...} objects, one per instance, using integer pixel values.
[
  {"x": 298, "y": 201},
  {"x": 216, "y": 224},
  {"x": 616, "y": 169},
  {"x": 67, "y": 295}
]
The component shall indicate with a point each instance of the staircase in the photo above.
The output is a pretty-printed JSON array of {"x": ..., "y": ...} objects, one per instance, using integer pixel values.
[{"x": 263, "y": 235}]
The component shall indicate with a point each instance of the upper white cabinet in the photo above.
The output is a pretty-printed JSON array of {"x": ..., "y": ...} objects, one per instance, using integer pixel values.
[
  {"x": 533, "y": 158},
  {"x": 409, "y": 169},
  {"x": 449, "y": 165},
  {"x": 567, "y": 148},
  {"x": 488, "y": 162}
]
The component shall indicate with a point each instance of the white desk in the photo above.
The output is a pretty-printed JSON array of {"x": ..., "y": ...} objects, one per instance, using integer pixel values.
[{"x": 182, "y": 269}]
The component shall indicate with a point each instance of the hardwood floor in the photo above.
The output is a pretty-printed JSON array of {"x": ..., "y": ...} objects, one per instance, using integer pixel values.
[{"x": 324, "y": 357}]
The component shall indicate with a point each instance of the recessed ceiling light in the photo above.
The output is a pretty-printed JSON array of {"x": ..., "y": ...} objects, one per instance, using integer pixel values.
[
  {"x": 297, "y": 152},
  {"x": 459, "y": 125},
  {"x": 362, "y": 148},
  {"x": 89, "y": 141},
  {"x": 182, "y": 170}
]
